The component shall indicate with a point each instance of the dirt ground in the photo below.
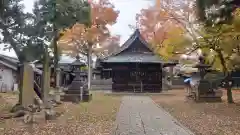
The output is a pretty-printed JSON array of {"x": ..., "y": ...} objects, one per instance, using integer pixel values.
[
  {"x": 94, "y": 118},
  {"x": 203, "y": 118}
]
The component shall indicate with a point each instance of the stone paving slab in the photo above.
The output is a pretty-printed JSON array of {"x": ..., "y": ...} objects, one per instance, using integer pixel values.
[{"x": 139, "y": 115}]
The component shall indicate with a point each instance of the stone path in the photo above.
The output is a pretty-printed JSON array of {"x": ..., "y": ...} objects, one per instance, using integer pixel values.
[{"x": 139, "y": 115}]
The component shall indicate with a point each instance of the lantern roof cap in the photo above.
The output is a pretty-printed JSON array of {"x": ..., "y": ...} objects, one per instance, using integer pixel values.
[{"x": 77, "y": 62}]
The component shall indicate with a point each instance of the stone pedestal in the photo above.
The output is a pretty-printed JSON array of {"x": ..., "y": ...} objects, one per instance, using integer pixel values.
[{"x": 86, "y": 96}]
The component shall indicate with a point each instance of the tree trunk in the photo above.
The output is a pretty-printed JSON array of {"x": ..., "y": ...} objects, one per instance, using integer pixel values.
[
  {"x": 45, "y": 78},
  {"x": 89, "y": 59},
  {"x": 56, "y": 59},
  {"x": 55, "y": 47},
  {"x": 229, "y": 94},
  {"x": 227, "y": 79}
]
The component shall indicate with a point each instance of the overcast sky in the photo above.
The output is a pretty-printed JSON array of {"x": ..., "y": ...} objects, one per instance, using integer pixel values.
[{"x": 128, "y": 9}]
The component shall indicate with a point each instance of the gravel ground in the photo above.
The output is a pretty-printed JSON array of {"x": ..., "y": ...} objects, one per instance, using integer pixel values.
[
  {"x": 203, "y": 118},
  {"x": 94, "y": 118}
]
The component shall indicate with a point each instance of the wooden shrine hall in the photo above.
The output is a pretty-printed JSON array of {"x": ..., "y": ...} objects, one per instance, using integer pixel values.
[{"x": 135, "y": 67}]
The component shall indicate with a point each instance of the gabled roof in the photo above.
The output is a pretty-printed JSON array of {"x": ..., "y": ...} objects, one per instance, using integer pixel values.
[
  {"x": 136, "y": 35},
  {"x": 134, "y": 57}
]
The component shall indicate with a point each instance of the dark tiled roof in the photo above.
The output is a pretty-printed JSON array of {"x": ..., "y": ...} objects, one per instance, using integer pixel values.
[
  {"x": 136, "y": 35},
  {"x": 9, "y": 61},
  {"x": 136, "y": 57}
]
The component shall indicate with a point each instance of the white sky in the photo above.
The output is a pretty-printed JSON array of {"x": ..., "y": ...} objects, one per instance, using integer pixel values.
[{"x": 128, "y": 9}]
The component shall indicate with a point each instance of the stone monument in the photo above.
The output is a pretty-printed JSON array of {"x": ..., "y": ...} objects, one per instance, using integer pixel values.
[{"x": 27, "y": 94}]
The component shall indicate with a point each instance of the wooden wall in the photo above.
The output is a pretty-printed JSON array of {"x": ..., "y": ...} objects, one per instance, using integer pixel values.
[{"x": 125, "y": 76}]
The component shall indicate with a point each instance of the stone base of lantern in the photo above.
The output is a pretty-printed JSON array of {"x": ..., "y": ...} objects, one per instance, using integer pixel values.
[
  {"x": 210, "y": 99},
  {"x": 76, "y": 98},
  {"x": 87, "y": 97},
  {"x": 216, "y": 96},
  {"x": 71, "y": 98}
]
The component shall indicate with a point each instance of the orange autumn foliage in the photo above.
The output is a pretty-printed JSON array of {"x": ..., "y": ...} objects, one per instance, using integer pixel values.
[
  {"x": 165, "y": 21},
  {"x": 79, "y": 38},
  {"x": 108, "y": 47}
]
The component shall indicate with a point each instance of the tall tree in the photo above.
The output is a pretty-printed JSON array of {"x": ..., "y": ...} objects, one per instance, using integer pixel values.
[
  {"x": 13, "y": 26},
  {"x": 61, "y": 14},
  {"x": 83, "y": 39},
  {"x": 75, "y": 40},
  {"x": 165, "y": 23},
  {"x": 107, "y": 47},
  {"x": 209, "y": 38},
  {"x": 29, "y": 35},
  {"x": 20, "y": 33},
  {"x": 221, "y": 43}
]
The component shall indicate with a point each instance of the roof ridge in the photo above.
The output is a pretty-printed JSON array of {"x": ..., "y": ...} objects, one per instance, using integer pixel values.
[
  {"x": 126, "y": 44},
  {"x": 9, "y": 57}
]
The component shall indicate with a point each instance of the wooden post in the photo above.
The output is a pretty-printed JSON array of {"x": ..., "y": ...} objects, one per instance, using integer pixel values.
[
  {"x": 89, "y": 66},
  {"x": 81, "y": 93}
]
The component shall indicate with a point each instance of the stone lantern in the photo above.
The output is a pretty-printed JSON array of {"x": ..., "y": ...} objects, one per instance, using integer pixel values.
[
  {"x": 77, "y": 64},
  {"x": 76, "y": 89},
  {"x": 202, "y": 67},
  {"x": 206, "y": 91}
]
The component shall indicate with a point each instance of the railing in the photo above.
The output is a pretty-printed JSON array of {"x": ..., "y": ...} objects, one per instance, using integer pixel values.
[
  {"x": 37, "y": 84},
  {"x": 37, "y": 90}
]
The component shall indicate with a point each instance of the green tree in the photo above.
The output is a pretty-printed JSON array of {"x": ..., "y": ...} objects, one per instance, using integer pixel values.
[
  {"x": 216, "y": 11},
  {"x": 221, "y": 43},
  {"x": 20, "y": 33},
  {"x": 29, "y": 35},
  {"x": 58, "y": 15},
  {"x": 13, "y": 26}
]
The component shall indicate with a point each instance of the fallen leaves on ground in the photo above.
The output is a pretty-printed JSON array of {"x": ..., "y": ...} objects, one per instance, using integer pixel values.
[
  {"x": 94, "y": 118},
  {"x": 203, "y": 118}
]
